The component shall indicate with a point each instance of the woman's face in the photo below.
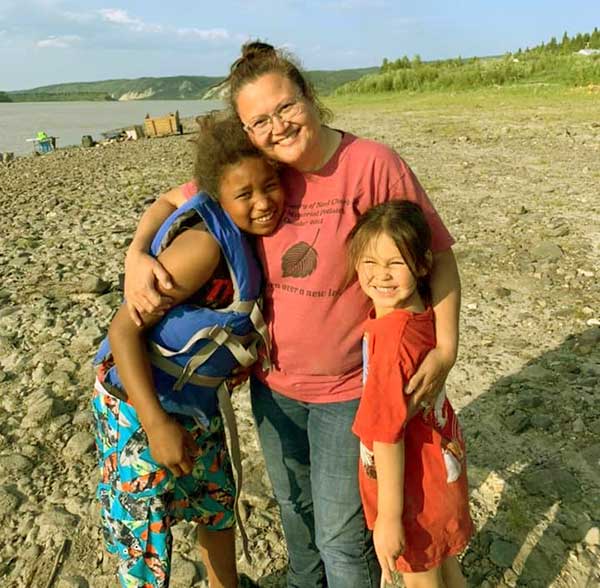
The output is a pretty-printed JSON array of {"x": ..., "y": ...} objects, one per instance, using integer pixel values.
[
  {"x": 250, "y": 192},
  {"x": 292, "y": 141}
]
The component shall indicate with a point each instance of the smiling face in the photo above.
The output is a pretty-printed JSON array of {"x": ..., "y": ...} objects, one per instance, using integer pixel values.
[
  {"x": 250, "y": 192},
  {"x": 386, "y": 279},
  {"x": 294, "y": 141}
]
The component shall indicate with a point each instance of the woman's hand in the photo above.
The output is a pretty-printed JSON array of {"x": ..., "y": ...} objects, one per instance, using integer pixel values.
[
  {"x": 141, "y": 296},
  {"x": 172, "y": 446},
  {"x": 429, "y": 379},
  {"x": 389, "y": 541}
]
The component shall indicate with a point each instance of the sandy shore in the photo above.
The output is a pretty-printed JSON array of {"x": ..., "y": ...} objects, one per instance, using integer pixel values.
[{"x": 518, "y": 188}]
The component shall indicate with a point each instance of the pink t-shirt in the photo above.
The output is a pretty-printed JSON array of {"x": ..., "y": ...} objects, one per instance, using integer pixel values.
[{"x": 316, "y": 324}]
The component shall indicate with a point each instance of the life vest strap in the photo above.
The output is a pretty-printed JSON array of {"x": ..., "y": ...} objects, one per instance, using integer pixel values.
[
  {"x": 226, "y": 409},
  {"x": 215, "y": 333},
  {"x": 175, "y": 370},
  {"x": 258, "y": 322}
]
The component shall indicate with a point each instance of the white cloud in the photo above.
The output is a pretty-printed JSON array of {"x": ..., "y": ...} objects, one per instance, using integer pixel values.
[
  {"x": 79, "y": 17},
  {"x": 204, "y": 34},
  {"x": 59, "y": 42},
  {"x": 120, "y": 17}
]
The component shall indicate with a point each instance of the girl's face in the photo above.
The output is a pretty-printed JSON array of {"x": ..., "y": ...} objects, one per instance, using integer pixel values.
[
  {"x": 291, "y": 140},
  {"x": 386, "y": 279},
  {"x": 250, "y": 192}
]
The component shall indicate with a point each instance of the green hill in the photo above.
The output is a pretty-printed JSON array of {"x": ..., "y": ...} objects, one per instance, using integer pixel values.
[
  {"x": 4, "y": 97},
  {"x": 555, "y": 62},
  {"x": 169, "y": 88}
]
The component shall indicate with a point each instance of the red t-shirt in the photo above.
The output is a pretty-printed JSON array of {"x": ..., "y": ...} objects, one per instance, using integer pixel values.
[
  {"x": 314, "y": 321},
  {"x": 436, "y": 516}
]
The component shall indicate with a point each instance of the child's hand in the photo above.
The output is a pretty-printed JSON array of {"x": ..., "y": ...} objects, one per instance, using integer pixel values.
[
  {"x": 388, "y": 537},
  {"x": 172, "y": 446},
  {"x": 238, "y": 376}
]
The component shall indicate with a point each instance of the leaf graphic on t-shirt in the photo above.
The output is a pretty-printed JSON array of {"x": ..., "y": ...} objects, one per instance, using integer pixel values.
[{"x": 300, "y": 260}]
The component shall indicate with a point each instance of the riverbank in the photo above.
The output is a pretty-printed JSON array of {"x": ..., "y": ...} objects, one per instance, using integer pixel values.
[
  {"x": 516, "y": 180},
  {"x": 70, "y": 121}
]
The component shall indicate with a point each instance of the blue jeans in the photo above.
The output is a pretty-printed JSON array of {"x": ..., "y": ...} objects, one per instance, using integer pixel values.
[{"x": 311, "y": 456}]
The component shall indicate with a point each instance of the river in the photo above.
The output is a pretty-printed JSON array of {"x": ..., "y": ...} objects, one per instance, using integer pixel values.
[{"x": 69, "y": 121}]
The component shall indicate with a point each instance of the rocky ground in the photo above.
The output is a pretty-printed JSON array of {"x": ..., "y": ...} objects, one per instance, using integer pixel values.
[{"x": 518, "y": 187}]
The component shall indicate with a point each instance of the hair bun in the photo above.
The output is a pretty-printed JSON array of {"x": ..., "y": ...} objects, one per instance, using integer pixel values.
[{"x": 257, "y": 49}]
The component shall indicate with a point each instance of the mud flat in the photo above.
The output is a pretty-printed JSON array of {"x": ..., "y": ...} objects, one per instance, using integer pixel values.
[{"x": 517, "y": 183}]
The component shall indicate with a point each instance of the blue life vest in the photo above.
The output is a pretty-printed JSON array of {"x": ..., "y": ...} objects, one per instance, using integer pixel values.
[{"x": 194, "y": 349}]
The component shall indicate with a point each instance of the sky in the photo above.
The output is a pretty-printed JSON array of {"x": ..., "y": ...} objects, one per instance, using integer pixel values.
[{"x": 52, "y": 41}]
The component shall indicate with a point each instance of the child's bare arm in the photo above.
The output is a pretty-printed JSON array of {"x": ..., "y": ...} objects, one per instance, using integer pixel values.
[
  {"x": 388, "y": 535},
  {"x": 190, "y": 260},
  {"x": 143, "y": 272}
]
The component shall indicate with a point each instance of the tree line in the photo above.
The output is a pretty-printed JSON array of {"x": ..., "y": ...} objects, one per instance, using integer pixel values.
[{"x": 552, "y": 62}]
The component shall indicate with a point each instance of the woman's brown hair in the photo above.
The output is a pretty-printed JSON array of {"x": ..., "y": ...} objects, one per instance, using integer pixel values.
[
  {"x": 404, "y": 222},
  {"x": 259, "y": 59}
]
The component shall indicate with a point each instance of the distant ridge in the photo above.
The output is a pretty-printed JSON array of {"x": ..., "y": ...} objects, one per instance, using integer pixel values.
[{"x": 164, "y": 88}]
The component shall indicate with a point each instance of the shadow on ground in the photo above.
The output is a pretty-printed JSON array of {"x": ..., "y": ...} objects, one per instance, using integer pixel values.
[{"x": 534, "y": 451}]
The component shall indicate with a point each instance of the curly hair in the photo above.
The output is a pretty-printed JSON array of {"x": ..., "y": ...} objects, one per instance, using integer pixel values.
[
  {"x": 220, "y": 142},
  {"x": 259, "y": 59}
]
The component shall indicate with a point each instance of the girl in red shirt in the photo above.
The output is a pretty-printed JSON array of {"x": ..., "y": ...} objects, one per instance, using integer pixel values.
[{"x": 412, "y": 474}]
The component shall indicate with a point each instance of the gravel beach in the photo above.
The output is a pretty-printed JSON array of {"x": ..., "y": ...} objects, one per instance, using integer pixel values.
[{"x": 518, "y": 186}]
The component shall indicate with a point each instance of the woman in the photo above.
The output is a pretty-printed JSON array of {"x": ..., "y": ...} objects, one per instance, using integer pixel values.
[{"x": 305, "y": 405}]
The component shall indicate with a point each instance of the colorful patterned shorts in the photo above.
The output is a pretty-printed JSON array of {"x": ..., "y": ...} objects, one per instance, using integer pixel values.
[{"x": 141, "y": 500}]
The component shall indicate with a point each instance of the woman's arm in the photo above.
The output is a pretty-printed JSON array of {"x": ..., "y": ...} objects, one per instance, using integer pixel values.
[
  {"x": 190, "y": 260},
  {"x": 445, "y": 290},
  {"x": 388, "y": 534},
  {"x": 143, "y": 272}
]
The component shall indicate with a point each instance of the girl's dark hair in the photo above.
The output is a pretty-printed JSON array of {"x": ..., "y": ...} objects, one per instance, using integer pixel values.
[
  {"x": 220, "y": 142},
  {"x": 259, "y": 59},
  {"x": 404, "y": 222}
]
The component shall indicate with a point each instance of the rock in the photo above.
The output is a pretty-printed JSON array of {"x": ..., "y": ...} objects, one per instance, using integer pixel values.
[
  {"x": 552, "y": 482},
  {"x": 41, "y": 408},
  {"x": 183, "y": 572},
  {"x": 79, "y": 444},
  {"x": 592, "y": 537},
  {"x": 15, "y": 464},
  {"x": 542, "y": 421},
  {"x": 535, "y": 372},
  {"x": 9, "y": 500},
  {"x": 89, "y": 336},
  {"x": 92, "y": 285},
  {"x": 592, "y": 455},
  {"x": 529, "y": 401},
  {"x": 587, "y": 341},
  {"x": 502, "y": 292},
  {"x": 569, "y": 535},
  {"x": 72, "y": 582},
  {"x": 503, "y": 553},
  {"x": 56, "y": 524},
  {"x": 559, "y": 231},
  {"x": 517, "y": 422},
  {"x": 546, "y": 251}
]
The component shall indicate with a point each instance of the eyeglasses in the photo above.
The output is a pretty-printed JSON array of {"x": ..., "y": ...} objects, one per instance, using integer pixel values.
[{"x": 263, "y": 124}]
